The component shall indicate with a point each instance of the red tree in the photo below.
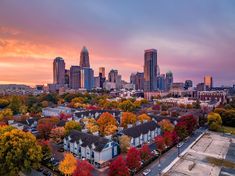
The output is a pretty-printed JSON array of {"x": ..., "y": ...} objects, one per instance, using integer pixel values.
[
  {"x": 83, "y": 168},
  {"x": 118, "y": 167},
  {"x": 64, "y": 116},
  {"x": 45, "y": 125},
  {"x": 168, "y": 138},
  {"x": 190, "y": 122},
  {"x": 160, "y": 142},
  {"x": 133, "y": 159},
  {"x": 145, "y": 153},
  {"x": 174, "y": 137},
  {"x": 181, "y": 130}
]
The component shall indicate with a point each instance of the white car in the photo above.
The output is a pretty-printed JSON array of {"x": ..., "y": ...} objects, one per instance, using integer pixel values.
[
  {"x": 180, "y": 144},
  {"x": 146, "y": 171},
  {"x": 155, "y": 152}
]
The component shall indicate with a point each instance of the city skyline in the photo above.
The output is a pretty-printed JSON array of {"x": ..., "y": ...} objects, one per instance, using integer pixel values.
[{"x": 191, "y": 42}]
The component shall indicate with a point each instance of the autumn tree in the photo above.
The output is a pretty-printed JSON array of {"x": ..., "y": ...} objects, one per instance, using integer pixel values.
[
  {"x": 127, "y": 106},
  {"x": 214, "y": 121},
  {"x": 6, "y": 114},
  {"x": 57, "y": 134},
  {"x": 4, "y": 102},
  {"x": 105, "y": 120},
  {"x": 128, "y": 118},
  {"x": 125, "y": 143},
  {"x": 110, "y": 130},
  {"x": 5, "y": 128},
  {"x": 19, "y": 151},
  {"x": 166, "y": 125},
  {"x": 72, "y": 125},
  {"x": 190, "y": 121},
  {"x": 144, "y": 117},
  {"x": 45, "y": 126},
  {"x": 118, "y": 167},
  {"x": 83, "y": 168},
  {"x": 133, "y": 159},
  {"x": 145, "y": 153},
  {"x": 168, "y": 138},
  {"x": 68, "y": 165},
  {"x": 91, "y": 125},
  {"x": 181, "y": 130},
  {"x": 46, "y": 151},
  {"x": 160, "y": 142}
]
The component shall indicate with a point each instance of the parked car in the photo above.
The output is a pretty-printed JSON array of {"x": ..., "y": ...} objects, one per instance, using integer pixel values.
[
  {"x": 180, "y": 144},
  {"x": 60, "y": 150},
  {"x": 146, "y": 172},
  {"x": 155, "y": 152}
]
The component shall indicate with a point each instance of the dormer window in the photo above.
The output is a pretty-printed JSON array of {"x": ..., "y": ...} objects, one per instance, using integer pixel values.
[{"x": 80, "y": 141}]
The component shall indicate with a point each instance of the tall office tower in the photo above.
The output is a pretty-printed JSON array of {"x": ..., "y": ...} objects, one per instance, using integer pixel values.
[
  {"x": 150, "y": 70},
  {"x": 138, "y": 80},
  {"x": 208, "y": 81},
  {"x": 158, "y": 70},
  {"x": 113, "y": 74},
  {"x": 161, "y": 82},
  {"x": 87, "y": 78},
  {"x": 169, "y": 80},
  {"x": 119, "y": 82},
  {"x": 75, "y": 77},
  {"x": 84, "y": 58},
  {"x": 188, "y": 84},
  {"x": 59, "y": 71},
  {"x": 102, "y": 71},
  {"x": 66, "y": 77}
]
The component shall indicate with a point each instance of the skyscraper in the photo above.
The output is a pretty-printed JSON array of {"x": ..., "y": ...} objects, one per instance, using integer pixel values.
[
  {"x": 208, "y": 81},
  {"x": 150, "y": 70},
  {"x": 138, "y": 80},
  {"x": 87, "y": 78},
  {"x": 102, "y": 71},
  {"x": 169, "y": 80},
  {"x": 113, "y": 74},
  {"x": 161, "y": 82},
  {"x": 66, "y": 78},
  {"x": 75, "y": 77},
  {"x": 84, "y": 58},
  {"x": 59, "y": 71}
]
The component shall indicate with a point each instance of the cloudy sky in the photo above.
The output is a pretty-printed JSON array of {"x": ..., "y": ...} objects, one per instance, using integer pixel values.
[{"x": 193, "y": 38}]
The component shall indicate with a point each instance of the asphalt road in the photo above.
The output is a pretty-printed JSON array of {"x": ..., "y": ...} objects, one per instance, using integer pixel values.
[{"x": 169, "y": 156}]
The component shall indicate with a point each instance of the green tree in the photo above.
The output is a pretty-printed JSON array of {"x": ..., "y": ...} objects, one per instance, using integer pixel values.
[
  {"x": 19, "y": 151},
  {"x": 127, "y": 106},
  {"x": 15, "y": 104}
]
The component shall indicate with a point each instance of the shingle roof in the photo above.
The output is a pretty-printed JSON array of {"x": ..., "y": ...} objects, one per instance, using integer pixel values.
[
  {"x": 140, "y": 129},
  {"x": 88, "y": 140}
]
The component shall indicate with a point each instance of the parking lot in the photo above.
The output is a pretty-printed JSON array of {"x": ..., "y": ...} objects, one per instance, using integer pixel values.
[{"x": 198, "y": 160}]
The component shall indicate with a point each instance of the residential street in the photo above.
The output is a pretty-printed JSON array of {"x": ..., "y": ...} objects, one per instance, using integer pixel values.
[{"x": 169, "y": 156}]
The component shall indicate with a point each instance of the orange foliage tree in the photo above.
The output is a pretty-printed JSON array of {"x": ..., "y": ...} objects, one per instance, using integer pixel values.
[
  {"x": 128, "y": 118},
  {"x": 166, "y": 125},
  {"x": 143, "y": 117},
  {"x": 68, "y": 165},
  {"x": 105, "y": 120}
]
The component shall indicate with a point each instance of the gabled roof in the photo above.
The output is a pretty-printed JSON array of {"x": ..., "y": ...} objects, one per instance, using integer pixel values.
[
  {"x": 88, "y": 140},
  {"x": 143, "y": 128}
]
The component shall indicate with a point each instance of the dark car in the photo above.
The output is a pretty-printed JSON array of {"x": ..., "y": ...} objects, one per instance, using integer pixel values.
[{"x": 60, "y": 150}]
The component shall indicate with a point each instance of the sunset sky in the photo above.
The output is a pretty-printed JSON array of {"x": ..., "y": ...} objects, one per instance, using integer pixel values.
[{"x": 193, "y": 38}]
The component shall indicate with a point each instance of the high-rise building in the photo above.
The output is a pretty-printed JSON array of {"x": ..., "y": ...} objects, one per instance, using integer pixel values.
[
  {"x": 169, "y": 80},
  {"x": 208, "y": 81},
  {"x": 84, "y": 58},
  {"x": 113, "y": 74},
  {"x": 200, "y": 87},
  {"x": 102, "y": 71},
  {"x": 150, "y": 70},
  {"x": 119, "y": 82},
  {"x": 75, "y": 77},
  {"x": 66, "y": 77},
  {"x": 87, "y": 78},
  {"x": 59, "y": 71},
  {"x": 188, "y": 84},
  {"x": 161, "y": 82},
  {"x": 138, "y": 80}
]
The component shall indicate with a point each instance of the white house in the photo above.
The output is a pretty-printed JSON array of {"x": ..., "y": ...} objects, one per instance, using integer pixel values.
[
  {"x": 98, "y": 150},
  {"x": 56, "y": 111},
  {"x": 142, "y": 133}
]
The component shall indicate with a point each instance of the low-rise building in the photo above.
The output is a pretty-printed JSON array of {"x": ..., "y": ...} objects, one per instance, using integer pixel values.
[
  {"x": 98, "y": 150},
  {"x": 142, "y": 133},
  {"x": 56, "y": 111}
]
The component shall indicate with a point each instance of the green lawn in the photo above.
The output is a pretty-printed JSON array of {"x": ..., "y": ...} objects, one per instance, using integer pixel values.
[{"x": 228, "y": 129}]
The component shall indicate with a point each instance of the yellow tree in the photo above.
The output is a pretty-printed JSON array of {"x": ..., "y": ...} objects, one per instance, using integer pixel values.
[
  {"x": 143, "y": 117},
  {"x": 110, "y": 129},
  {"x": 72, "y": 125},
  {"x": 214, "y": 121},
  {"x": 128, "y": 118},
  {"x": 104, "y": 120},
  {"x": 6, "y": 114},
  {"x": 92, "y": 125},
  {"x": 68, "y": 165},
  {"x": 125, "y": 143}
]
